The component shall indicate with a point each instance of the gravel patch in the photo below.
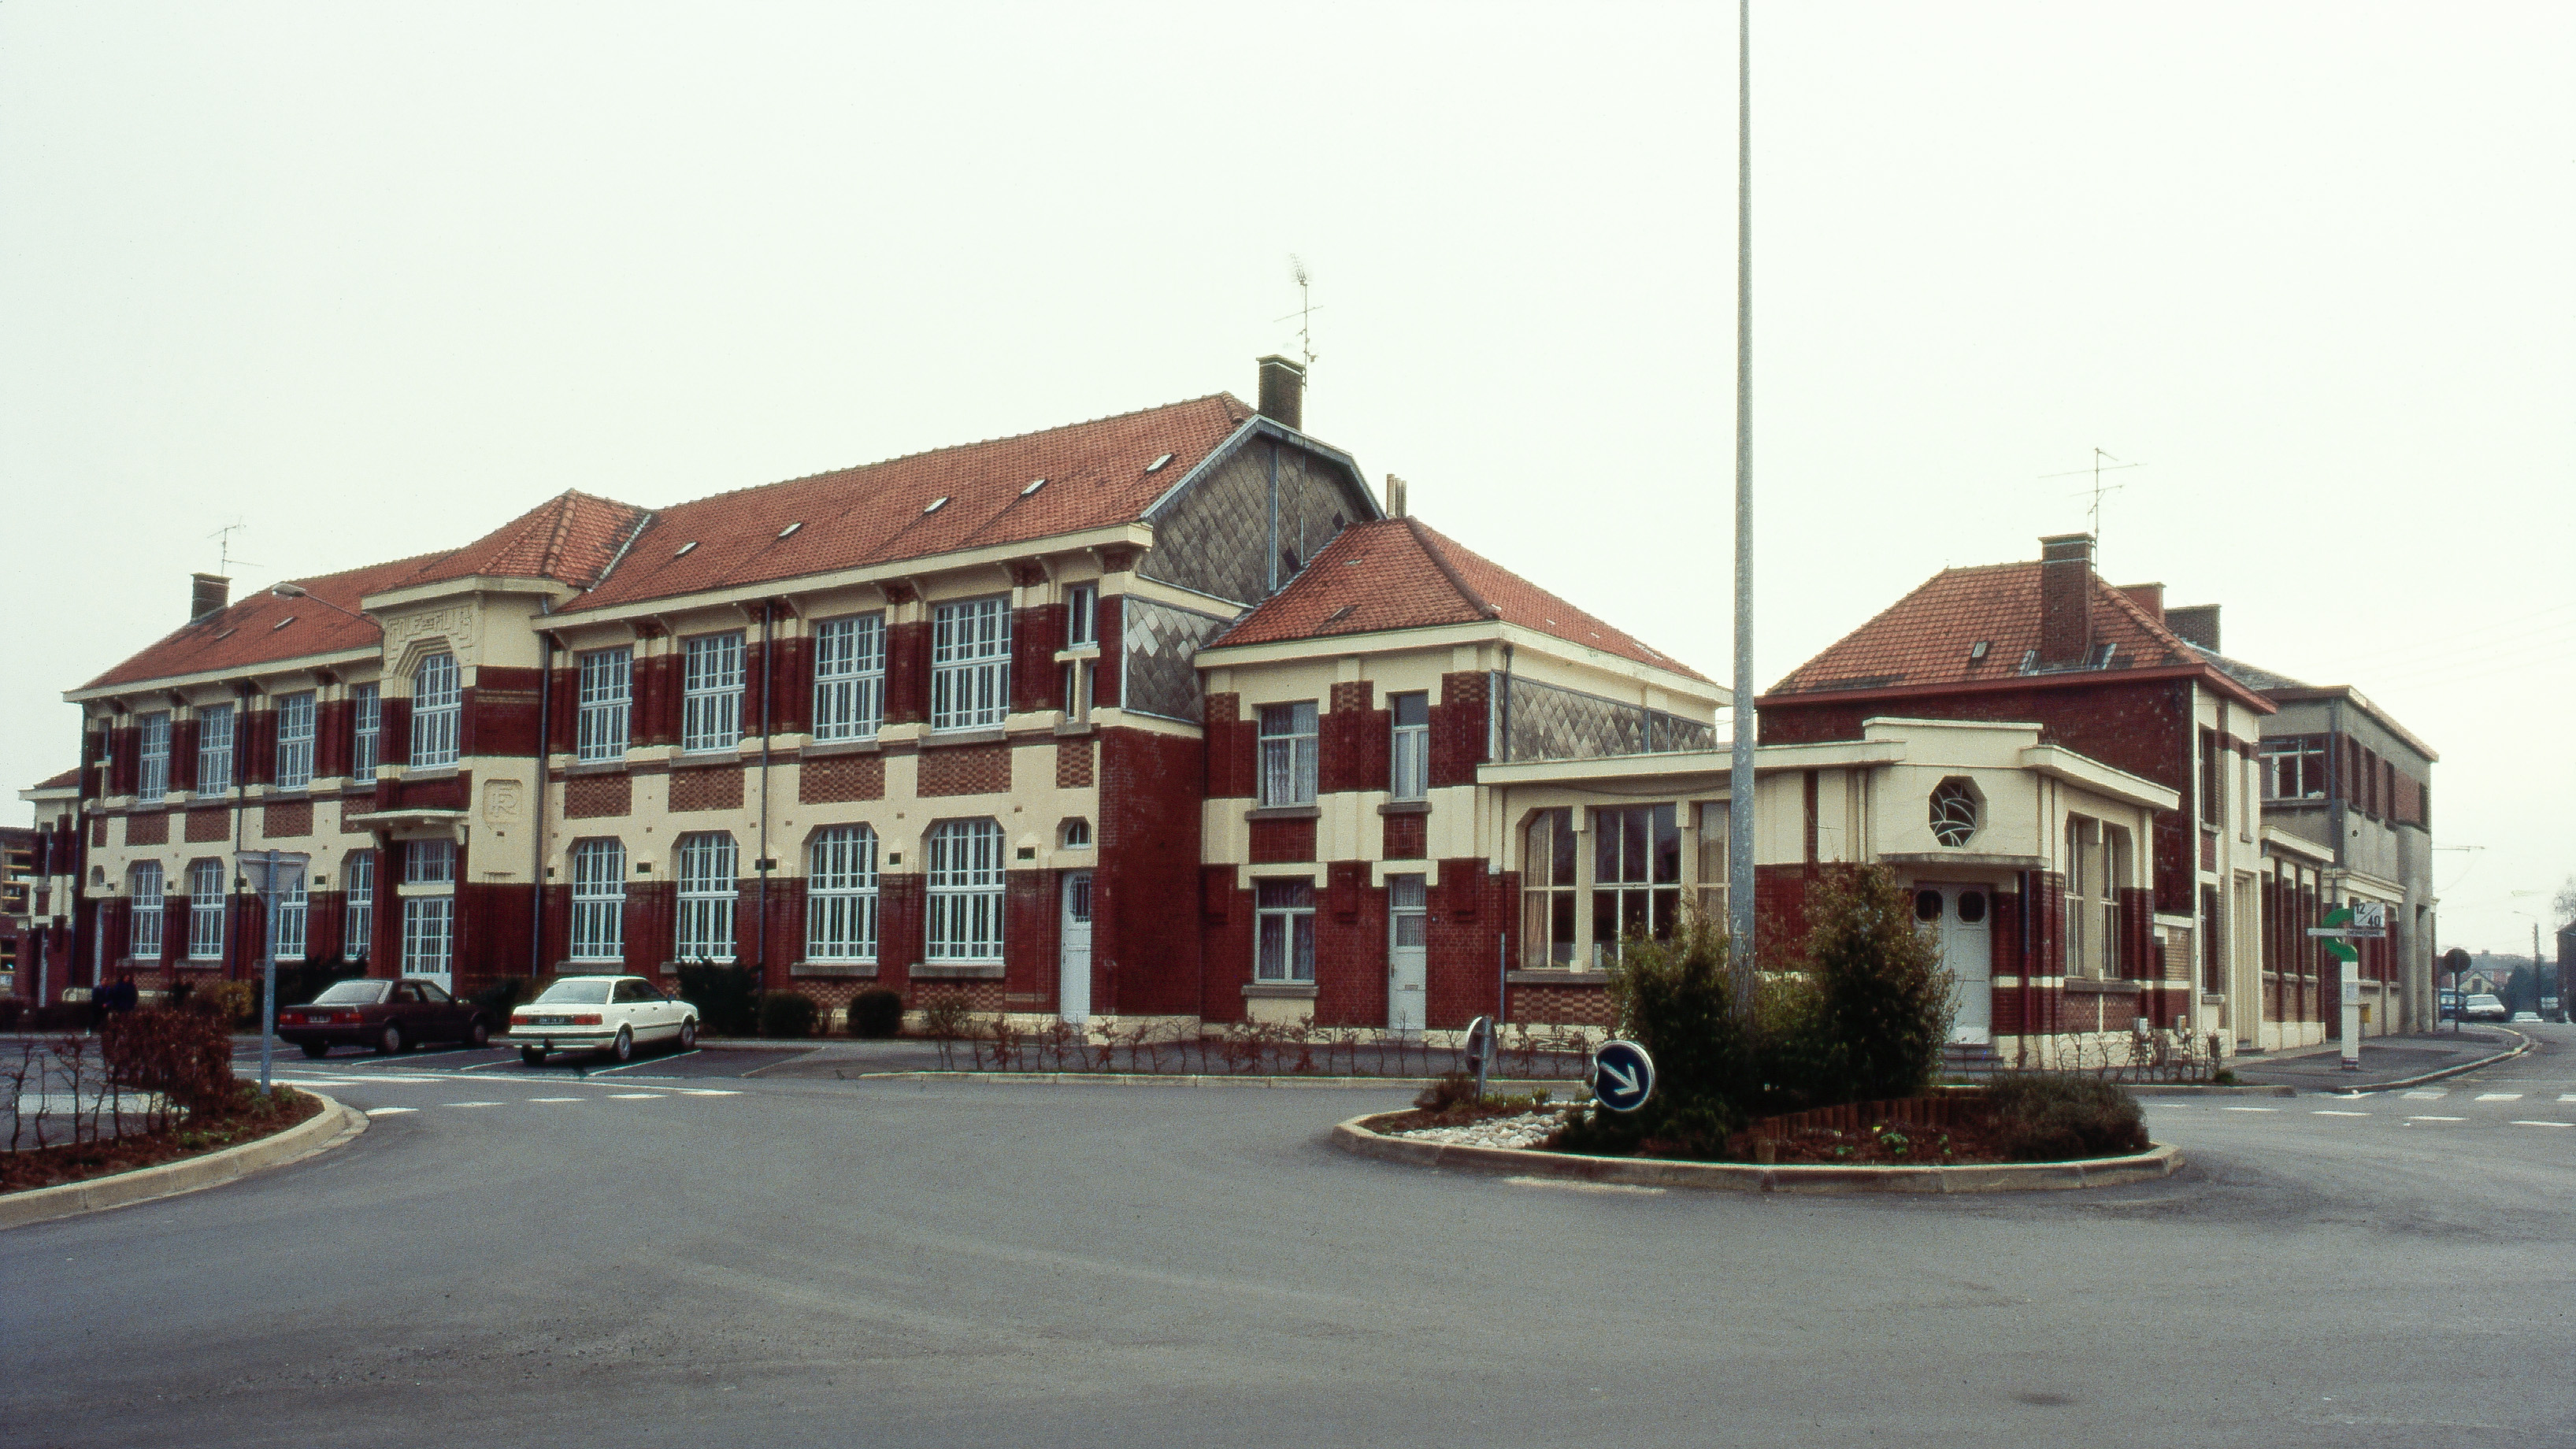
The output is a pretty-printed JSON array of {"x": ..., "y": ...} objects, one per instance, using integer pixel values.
[{"x": 1529, "y": 1129}]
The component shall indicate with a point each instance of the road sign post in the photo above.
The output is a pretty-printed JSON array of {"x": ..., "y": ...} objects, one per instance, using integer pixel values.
[
  {"x": 2359, "y": 921},
  {"x": 1623, "y": 1076},
  {"x": 1480, "y": 1049},
  {"x": 271, "y": 869}
]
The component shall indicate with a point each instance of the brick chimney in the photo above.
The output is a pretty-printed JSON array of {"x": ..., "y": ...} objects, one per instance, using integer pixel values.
[
  {"x": 208, "y": 593},
  {"x": 2065, "y": 599},
  {"x": 2150, "y": 597},
  {"x": 1394, "y": 496},
  {"x": 2197, "y": 624},
  {"x": 1283, "y": 392}
]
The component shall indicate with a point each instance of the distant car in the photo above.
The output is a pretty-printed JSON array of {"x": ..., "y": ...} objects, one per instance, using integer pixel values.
[
  {"x": 2485, "y": 1006},
  {"x": 390, "y": 1016},
  {"x": 2520, "y": 1017},
  {"x": 611, "y": 1014}
]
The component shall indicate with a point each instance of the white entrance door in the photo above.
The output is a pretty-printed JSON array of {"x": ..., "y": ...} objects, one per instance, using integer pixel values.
[
  {"x": 1073, "y": 994},
  {"x": 1957, "y": 916},
  {"x": 1406, "y": 924}
]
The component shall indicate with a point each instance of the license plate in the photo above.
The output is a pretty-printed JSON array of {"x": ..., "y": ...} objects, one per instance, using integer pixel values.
[{"x": 552, "y": 1020}]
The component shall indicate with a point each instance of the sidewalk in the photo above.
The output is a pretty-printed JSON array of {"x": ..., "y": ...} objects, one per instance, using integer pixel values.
[{"x": 2384, "y": 1059}]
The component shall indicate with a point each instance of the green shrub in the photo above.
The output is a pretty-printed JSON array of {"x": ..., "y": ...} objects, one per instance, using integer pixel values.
[
  {"x": 2050, "y": 1117},
  {"x": 945, "y": 1016},
  {"x": 1675, "y": 998},
  {"x": 727, "y": 997},
  {"x": 876, "y": 1013},
  {"x": 184, "y": 1055},
  {"x": 786, "y": 1014},
  {"x": 234, "y": 1003},
  {"x": 1883, "y": 1006}
]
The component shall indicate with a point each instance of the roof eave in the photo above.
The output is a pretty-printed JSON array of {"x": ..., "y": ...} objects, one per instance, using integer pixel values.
[
  {"x": 248, "y": 670},
  {"x": 2209, "y": 674},
  {"x": 1466, "y": 631}
]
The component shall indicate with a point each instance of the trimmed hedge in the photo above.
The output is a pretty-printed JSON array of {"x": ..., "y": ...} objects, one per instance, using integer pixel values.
[
  {"x": 787, "y": 1014},
  {"x": 2051, "y": 1117},
  {"x": 876, "y": 1013}
]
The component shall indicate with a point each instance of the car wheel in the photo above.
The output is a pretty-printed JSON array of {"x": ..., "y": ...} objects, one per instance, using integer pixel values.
[
  {"x": 391, "y": 1042},
  {"x": 317, "y": 1048},
  {"x": 532, "y": 1056},
  {"x": 689, "y": 1034},
  {"x": 478, "y": 1035},
  {"x": 623, "y": 1049}
]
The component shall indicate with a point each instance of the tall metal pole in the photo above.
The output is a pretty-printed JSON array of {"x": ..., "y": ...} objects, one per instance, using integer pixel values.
[{"x": 1740, "y": 784}]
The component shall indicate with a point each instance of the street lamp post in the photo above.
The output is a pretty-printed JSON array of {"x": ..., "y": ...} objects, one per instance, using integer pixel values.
[{"x": 1739, "y": 775}]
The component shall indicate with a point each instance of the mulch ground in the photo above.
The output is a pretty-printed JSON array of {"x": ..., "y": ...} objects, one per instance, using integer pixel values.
[
  {"x": 53, "y": 1166},
  {"x": 1889, "y": 1147}
]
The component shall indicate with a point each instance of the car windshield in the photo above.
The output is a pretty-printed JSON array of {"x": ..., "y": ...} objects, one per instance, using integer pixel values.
[
  {"x": 579, "y": 989},
  {"x": 353, "y": 993}
]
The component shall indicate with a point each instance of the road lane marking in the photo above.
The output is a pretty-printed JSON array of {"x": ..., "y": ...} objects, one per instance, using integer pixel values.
[
  {"x": 2419, "y": 1117},
  {"x": 2567, "y": 1096},
  {"x": 558, "y": 1099},
  {"x": 469, "y": 1104},
  {"x": 2545, "y": 1124},
  {"x": 637, "y": 1096},
  {"x": 2324, "y": 1112},
  {"x": 2428, "y": 1096},
  {"x": 705, "y": 1092},
  {"x": 2499, "y": 1096},
  {"x": 2249, "y": 1109},
  {"x": 389, "y": 1111}
]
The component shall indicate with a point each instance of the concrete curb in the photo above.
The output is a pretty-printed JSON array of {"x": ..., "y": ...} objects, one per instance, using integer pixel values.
[
  {"x": 2403, "y": 1082},
  {"x": 2201, "y": 1089},
  {"x": 1355, "y": 1136},
  {"x": 331, "y": 1127},
  {"x": 1573, "y": 1088}
]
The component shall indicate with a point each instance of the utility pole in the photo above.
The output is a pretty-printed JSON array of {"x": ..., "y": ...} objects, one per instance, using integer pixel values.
[{"x": 1739, "y": 775}]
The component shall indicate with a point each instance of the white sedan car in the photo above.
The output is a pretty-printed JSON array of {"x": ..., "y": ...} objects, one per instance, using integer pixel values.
[{"x": 611, "y": 1014}]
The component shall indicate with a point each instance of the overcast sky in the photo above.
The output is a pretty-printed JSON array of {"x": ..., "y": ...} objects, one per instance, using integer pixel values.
[{"x": 372, "y": 279}]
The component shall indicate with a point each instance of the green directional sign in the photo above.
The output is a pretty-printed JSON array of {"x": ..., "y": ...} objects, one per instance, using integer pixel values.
[{"x": 2340, "y": 918}]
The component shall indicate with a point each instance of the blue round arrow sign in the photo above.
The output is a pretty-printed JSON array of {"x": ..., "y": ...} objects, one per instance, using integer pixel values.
[{"x": 1623, "y": 1076}]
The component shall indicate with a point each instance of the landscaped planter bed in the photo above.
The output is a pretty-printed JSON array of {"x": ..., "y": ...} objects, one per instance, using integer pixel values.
[{"x": 32, "y": 1168}]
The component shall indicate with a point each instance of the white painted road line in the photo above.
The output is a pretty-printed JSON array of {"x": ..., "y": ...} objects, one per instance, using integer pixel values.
[
  {"x": 637, "y": 1096},
  {"x": 2323, "y": 1112},
  {"x": 2428, "y": 1096},
  {"x": 705, "y": 1092},
  {"x": 2249, "y": 1109},
  {"x": 389, "y": 1111},
  {"x": 2421, "y": 1118},
  {"x": 2499, "y": 1096},
  {"x": 2567, "y": 1096},
  {"x": 469, "y": 1104},
  {"x": 558, "y": 1099},
  {"x": 2545, "y": 1124}
]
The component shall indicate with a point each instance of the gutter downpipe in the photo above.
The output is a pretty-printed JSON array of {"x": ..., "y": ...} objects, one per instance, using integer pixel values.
[
  {"x": 546, "y": 642},
  {"x": 768, "y": 667},
  {"x": 2021, "y": 1041},
  {"x": 241, "y": 808}
]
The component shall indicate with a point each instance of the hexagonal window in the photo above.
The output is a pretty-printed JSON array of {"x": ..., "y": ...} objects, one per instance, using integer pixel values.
[{"x": 1955, "y": 811}]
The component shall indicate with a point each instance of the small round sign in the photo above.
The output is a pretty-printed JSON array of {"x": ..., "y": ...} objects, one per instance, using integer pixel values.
[
  {"x": 1480, "y": 1039},
  {"x": 1623, "y": 1076}
]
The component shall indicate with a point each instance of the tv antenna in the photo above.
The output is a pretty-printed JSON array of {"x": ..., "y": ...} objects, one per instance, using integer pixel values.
[
  {"x": 1306, "y": 309},
  {"x": 2099, "y": 487},
  {"x": 224, "y": 559}
]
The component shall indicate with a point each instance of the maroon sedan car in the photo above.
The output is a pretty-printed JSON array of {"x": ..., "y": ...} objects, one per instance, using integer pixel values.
[{"x": 386, "y": 1015}]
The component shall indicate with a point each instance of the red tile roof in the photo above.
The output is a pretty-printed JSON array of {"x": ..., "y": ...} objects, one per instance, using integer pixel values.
[
  {"x": 1397, "y": 573},
  {"x": 1095, "y": 476},
  {"x": 68, "y": 779},
  {"x": 570, "y": 538},
  {"x": 1923, "y": 641}
]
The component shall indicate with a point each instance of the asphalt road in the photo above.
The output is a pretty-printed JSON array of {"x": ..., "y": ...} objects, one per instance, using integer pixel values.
[{"x": 670, "y": 1255}]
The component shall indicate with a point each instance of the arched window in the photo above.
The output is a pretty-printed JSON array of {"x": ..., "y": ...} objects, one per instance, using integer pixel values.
[
  {"x": 706, "y": 897},
  {"x": 598, "y": 900},
  {"x": 436, "y": 701},
  {"x": 965, "y": 887},
  {"x": 143, "y": 930},
  {"x": 1954, "y": 811},
  {"x": 1077, "y": 834},
  {"x": 841, "y": 895}
]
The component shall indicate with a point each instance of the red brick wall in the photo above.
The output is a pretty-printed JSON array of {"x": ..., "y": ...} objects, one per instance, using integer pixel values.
[
  {"x": 1144, "y": 944},
  {"x": 453, "y": 792},
  {"x": 791, "y": 690},
  {"x": 1111, "y": 625},
  {"x": 1458, "y": 729},
  {"x": 499, "y": 712},
  {"x": 1232, "y": 746},
  {"x": 653, "y": 719},
  {"x": 149, "y": 829},
  {"x": 393, "y": 730},
  {"x": 1225, "y": 943},
  {"x": 1073, "y": 764},
  {"x": 331, "y": 739},
  {"x": 900, "y": 923},
  {"x": 966, "y": 770},
  {"x": 651, "y": 925},
  {"x": 840, "y": 777},
  {"x": 1036, "y": 634},
  {"x": 205, "y": 826},
  {"x": 596, "y": 797},
  {"x": 1279, "y": 841},
  {"x": 281, "y": 818},
  {"x": 563, "y": 714},
  {"x": 1032, "y": 921},
  {"x": 1350, "y": 948},
  {"x": 1470, "y": 913},
  {"x": 907, "y": 684},
  {"x": 1353, "y": 741},
  {"x": 255, "y": 747},
  {"x": 1403, "y": 836},
  {"x": 1588, "y": 1005},
  {"x": 124, "y": 748},
  {"x": 183, "y": 756},
  {"x": 707, "y": 787}
]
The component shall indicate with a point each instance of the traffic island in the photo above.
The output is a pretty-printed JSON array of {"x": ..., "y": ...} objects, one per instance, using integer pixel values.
[
  {"x": 1362, "y": 1136},
  {"x": 333, "y": 1125}
]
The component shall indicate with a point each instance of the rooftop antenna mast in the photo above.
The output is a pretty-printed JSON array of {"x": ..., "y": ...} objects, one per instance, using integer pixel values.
[
  {"x": 1306, "y": 309},
  {"x": 224, "y": 559},
  {"x": 2099, "y": 487}
]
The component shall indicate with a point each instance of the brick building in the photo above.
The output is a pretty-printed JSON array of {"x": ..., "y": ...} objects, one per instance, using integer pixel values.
[{"x": 44, "y": 881}]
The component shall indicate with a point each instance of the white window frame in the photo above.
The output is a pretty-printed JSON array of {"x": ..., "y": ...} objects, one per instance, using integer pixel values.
[
  {"x": 429, "y": 935},
  {"x": 706, "y": 864},
  {"x": 1082, "y": 616},
  {"x": 1408, "y": 904},
  {"x": 1288, "y": 758},
  {"x": 605, "y": 695},
  {"x": 152, "y": 765},
  {"x": 144, "y": 887},
  {"x": 366, "y": 730},
  {"x": 430, "y": 862},
  {"x": 206, "y": 910},
  {"x": 2079, "y": 915},
  {"x": 964, "y": 879},
  {"x": 1409, "y": 757},
  {"x": 295, "y": 740},
  {"x": 437, "y": 708},
  {"x": 1283, "y": 933},
  {"x": 215, "y": 748},
  {"x": 849, "y": 677},
  {"x": 711, "y": 683},
  {"x": 598, "y": 900},
  {"x": 970, "y": 664},
  {"x": 288, "y": 887},
  {"x": 357, "y": 904},
  {"x": 841, "y": 894}
]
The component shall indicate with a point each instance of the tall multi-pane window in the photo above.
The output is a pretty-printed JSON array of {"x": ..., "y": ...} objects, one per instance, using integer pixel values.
[
  {"x": 1284, "y": 932},
  {"x": 357, "y": 904},
  {"x": 2294, "y": 767},
  {"x": 295, "y": 740},
  {"x": 1410, "y": 767},
  {"x": 598, "y": 900},
  {"x": 849, "y": 677},
  {"x": 429, "y": 928},
  {"x": 841, "y": 895},
  {"x": 430, "y": 862},
  {"x": 206, "y": 910},
  {"x": 437, "y": 701},
  {"x": 1082, "y": 616},
  {"x": 970, "y": 664},
  {"x": 366, "y": 730},
  {"x": 1636, "y": 876},
  {"x": 965, "y": 889},
  {"x": 152, "y": 736},
  {"x": 2112, "y": 862},
  {"x": 606, "y": 694},
  {"x": 1288, "y": 753},
  {"x": 706, "y": 897},
  {"x": 1547, "y": 890},
  {"x": 711, "y": 677},
  {"x": 143, "y": 890},
  {"x": 288, "y": 907},
  {"x": 2079, "y": 881},
  {"x": 214, "y": 749}
]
